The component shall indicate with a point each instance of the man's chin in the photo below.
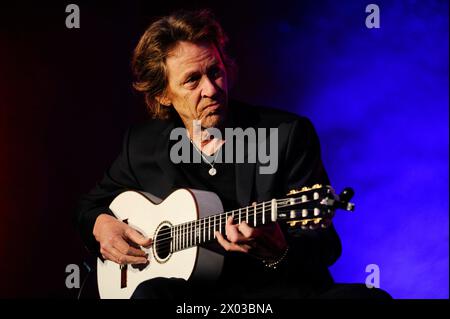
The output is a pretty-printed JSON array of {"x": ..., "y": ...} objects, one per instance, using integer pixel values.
[{"x": 213, "y": 120}]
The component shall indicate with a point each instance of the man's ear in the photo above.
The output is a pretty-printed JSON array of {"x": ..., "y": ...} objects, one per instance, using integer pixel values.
[{"x": 164, "y": 100}]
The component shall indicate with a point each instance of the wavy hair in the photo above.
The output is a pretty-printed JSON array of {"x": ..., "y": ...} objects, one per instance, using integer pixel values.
[{"x": 149, "y": 57}]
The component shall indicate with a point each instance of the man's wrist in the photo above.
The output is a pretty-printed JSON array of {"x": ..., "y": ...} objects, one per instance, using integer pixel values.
[{"x": 100, "y": 219}]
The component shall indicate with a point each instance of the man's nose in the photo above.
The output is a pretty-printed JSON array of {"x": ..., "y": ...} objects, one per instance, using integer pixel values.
[{"x": 209, "y": 88}]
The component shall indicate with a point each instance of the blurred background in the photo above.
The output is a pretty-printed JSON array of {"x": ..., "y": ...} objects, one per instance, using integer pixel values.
[{"x": 377, "y": 97}]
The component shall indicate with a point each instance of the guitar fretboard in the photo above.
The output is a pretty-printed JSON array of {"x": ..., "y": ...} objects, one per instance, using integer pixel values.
[{"x": 204, "y": 230}]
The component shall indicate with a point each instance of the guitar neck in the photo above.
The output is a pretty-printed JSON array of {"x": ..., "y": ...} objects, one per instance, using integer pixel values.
[
  {"x": 306, "y": 206},
  {"x": 203, "y": 230}
]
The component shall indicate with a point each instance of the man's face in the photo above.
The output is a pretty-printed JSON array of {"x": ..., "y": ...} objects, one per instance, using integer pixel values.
[{"x": 197, "y": 86}]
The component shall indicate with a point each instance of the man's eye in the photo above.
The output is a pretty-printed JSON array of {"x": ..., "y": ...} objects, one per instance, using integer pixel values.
[
  {"x": 192, "y": 79},
  {"x": 216, "y": 73}
]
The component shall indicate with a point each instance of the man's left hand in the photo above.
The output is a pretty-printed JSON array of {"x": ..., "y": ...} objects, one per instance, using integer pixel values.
[{"x": 266, "y": 242}]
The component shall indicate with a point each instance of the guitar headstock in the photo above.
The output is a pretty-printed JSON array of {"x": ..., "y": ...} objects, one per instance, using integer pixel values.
[{"x": 311, "y": 207}]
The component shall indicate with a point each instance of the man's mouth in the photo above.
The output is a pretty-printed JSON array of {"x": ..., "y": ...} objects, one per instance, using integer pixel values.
[{"x": 212, "y": 108}]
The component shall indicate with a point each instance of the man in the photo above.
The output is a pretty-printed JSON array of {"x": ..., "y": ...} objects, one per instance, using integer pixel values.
[{"x": 181, "y": 67}]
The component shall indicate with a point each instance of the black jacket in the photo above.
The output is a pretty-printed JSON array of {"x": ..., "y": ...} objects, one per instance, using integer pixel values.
[{"x": 144, "y": 164}]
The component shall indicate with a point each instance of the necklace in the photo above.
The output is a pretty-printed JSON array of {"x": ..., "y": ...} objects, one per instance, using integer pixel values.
[{"x": 212, "y": 171}]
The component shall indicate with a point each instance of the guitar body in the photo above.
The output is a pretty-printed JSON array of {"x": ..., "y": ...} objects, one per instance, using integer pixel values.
[
  {"x": 188, "y": 218},
  {"x": 151, "y": 217}
]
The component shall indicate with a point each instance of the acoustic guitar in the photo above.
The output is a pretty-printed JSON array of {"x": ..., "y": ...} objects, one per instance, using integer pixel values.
[{"x": 188, "y": 218}]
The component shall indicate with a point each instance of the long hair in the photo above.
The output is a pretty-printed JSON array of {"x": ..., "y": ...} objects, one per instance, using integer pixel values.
[{"x": 149, "y": 58}]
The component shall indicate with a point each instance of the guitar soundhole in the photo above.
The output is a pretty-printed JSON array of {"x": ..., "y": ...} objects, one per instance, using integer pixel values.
[{"x": 162, "y": 242}]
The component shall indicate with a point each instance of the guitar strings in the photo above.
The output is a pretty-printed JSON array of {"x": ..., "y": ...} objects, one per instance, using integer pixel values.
[
  {"x": 224, "y": 216},
  {"x": 253, "y": 210},
  {"x": 190, "y": 236},
  {"x": 184, "y": 230}
]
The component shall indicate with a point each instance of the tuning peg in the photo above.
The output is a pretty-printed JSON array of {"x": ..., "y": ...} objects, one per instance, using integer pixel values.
[
  {"x": 292, "y": 223},
  {"x": 350, "y": 207},
  {"x": 292, "y": 214},
  {"x": 316, "y": 212},
  {"x": 346, "y": 194},
  {"x": 344, "y": 198}
]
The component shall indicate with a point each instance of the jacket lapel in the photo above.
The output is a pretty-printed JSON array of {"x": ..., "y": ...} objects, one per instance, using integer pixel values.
[
  {"x": 245, "y": 172},
  {"x": 163, "y": 159}
]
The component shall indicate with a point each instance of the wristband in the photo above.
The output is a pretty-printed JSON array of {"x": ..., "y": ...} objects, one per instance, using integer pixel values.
[{"x": 276, "y": 263}]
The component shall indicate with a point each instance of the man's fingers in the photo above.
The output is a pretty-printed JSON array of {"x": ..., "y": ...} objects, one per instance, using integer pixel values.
[
  {"x": 138, "y": 238},
  {"x": 247, "y": 231},
  {"x": 246, "y": 248},
  {"x": 230, "y": 246},
  {"x": 232, "y": 232},
  {"x": 225, "y": 244},
  {"x": 108, "y": 256},
  {"x": 136, "y": 252},
  {"x": 123, "y": 259},
  {"x": 126, "y": 249}
]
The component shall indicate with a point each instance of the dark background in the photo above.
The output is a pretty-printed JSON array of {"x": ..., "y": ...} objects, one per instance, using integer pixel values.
[{"x": 378, "y": 98}]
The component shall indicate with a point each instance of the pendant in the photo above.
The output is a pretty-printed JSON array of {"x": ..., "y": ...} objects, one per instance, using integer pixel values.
[{"x": 212, "y": 171}]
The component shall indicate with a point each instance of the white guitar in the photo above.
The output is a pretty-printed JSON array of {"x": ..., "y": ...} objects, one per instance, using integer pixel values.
[{"x": 188, "y": 218}]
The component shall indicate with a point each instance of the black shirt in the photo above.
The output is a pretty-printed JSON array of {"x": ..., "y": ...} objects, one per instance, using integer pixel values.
[{"x": 223, "y": 183}]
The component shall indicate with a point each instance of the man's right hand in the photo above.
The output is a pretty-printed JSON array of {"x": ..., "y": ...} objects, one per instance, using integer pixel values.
[{"x": 119, "y": 242}]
